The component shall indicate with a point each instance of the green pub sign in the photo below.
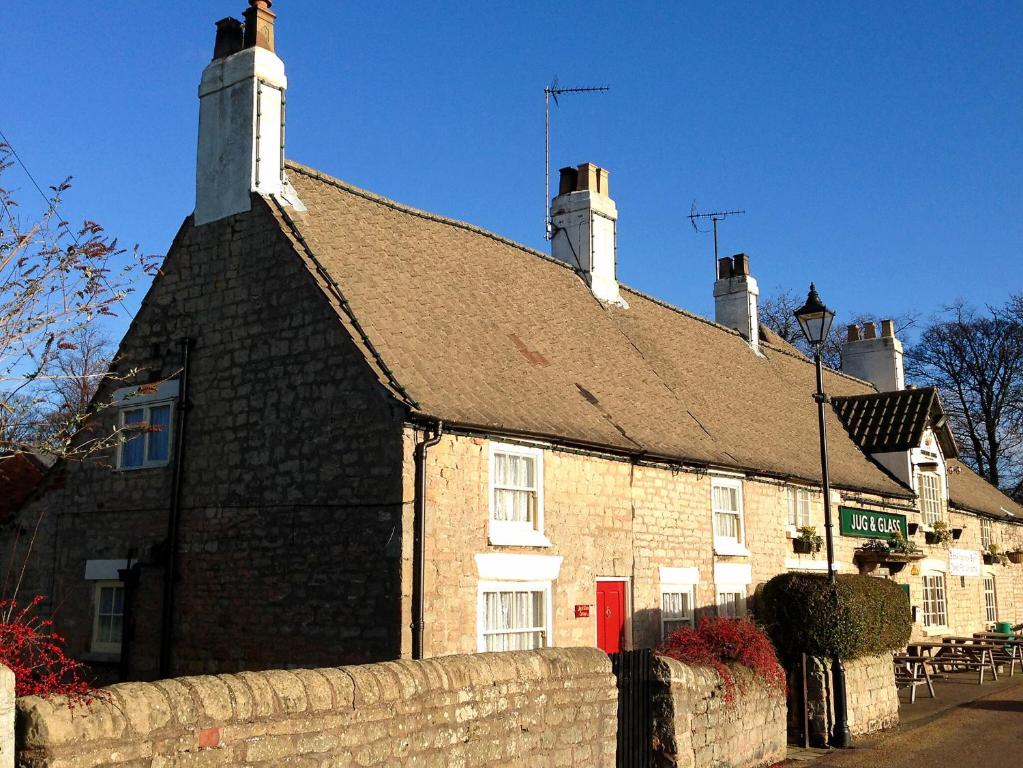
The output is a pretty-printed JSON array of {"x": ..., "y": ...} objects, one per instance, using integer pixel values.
[{"x": 870, "y": 525}]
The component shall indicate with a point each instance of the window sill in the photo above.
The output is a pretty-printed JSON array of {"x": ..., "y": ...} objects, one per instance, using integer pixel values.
[
  {"x": 160, "y": 465},
  {"x": 933, "y": 631},
  {"x": 513, "y": 538},
  {"x": 730, "y": 548}
]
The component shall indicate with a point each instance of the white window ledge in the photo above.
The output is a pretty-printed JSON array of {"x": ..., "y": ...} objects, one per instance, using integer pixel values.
[
  {"x": 730, "y": 548},
  {"x": 733, "y": 574},
  {"x": 795, "y": 564},
  {"x": 679, "y": 577},
  {"x": 512, "y": 537},
  {"x": 932, "y": 631},
  {"x": 104, "y": 570},
  {"x": 502, "y": 567}
]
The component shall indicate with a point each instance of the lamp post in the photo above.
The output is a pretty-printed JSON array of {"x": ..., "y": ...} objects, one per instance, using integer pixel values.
[{"x": 815, "y": 321}]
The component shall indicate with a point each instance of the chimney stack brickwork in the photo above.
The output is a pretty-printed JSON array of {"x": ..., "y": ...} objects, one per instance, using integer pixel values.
[
  {"x": 241, "y": 120},
  {"x": 736, "y": 298},
  {"x": 873, "y": 358},
  {"x": 585, "y": 229}
]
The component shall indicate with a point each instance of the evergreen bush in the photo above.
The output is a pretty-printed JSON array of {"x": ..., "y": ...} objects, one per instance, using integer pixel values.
[{"x": 803, "y": 614}]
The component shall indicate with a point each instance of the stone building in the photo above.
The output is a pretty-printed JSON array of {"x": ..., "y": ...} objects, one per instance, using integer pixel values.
[{"x": 367, "y": 431}]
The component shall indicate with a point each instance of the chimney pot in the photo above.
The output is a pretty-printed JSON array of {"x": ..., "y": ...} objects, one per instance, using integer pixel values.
[
  {"x": 259, "y": 25},
  {"x": 888, "y": 328},
  {"x": 854, "y": 333},
  {"x": 740, "y": 263},
  {"x": 869, "y": 331},
  {"x": 725, "y": 268},
  {"x": 229, "y": 38},
  {"x": 567, "y": 181}
]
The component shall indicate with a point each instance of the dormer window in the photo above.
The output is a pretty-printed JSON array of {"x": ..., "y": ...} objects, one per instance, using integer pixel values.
[{"x": 932, "y": 507}]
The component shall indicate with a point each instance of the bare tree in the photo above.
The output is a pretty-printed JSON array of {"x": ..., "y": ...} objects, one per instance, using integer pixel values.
[
  {"x": 56, "y": 285},
  {"x": 975, "y": 359}
]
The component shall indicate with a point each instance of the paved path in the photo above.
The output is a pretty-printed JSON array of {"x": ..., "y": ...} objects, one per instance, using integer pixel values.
[{"x": 983, "y": 733}]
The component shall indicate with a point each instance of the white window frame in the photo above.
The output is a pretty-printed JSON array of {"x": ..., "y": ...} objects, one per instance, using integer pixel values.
[
  {"x": 794, "y": 494},
  {"x": 932, "y": 499},
  {"x": 990, "y": 607},
  {"x": 512, "y": 586},
  {"x": 138, "y": 398},
  {"x": 96, "y": 645},
  {"x": 986, "y": 531},
  {"x": 731, "y": 589},
  {"x": 725, "y": 545},
  {"x": 932, "y": 611},
  {"x": 511, "y": 533}
]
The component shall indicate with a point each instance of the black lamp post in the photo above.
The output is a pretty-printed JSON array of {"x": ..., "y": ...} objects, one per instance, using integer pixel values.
[{"x": 815, "y": 321}]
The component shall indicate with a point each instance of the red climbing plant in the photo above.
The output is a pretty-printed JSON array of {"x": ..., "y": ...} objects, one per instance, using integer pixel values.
[
  {"x": 31, "y": 648},
  {"x": 718, "y": 642}
]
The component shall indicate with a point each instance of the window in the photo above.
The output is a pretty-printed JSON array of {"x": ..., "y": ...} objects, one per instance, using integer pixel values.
[
  {"x": 514, "y": 616},
  {"x": 676, "y": 608},
  {"x": 931, "y": 497},
  {"x": 731, "y": 602},
  {"x": 799, "y": 506},
  {"x": 145, "y": 415},
  {"x": 935, "y": 611},
  {"x": 516, "y": 495},
  {"x": 108, "y": 616},
  {"x": 985, "y": 533},
  {"x": 990, "y": 603},
  {"x": 726, "y": 501}
]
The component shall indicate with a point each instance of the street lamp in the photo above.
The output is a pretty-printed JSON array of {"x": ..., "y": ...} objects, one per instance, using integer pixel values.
[{"x": 815, "y": 321}]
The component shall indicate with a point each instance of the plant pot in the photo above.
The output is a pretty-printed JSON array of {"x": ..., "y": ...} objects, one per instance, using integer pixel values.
[
  {"x": 912, "y": 528},
  {"x": 1015, "y": 557},
  {"x": 989, "y": 559},
  {"x": 801, "y": 547},
  {"x": 931, "y": 537},
  {"x": 895, "y": 567},
  {"x": 956, "y": 533}
]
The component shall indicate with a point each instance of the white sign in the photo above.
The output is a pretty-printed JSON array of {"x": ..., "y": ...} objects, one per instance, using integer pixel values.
[{"x": 964, "y": 562}]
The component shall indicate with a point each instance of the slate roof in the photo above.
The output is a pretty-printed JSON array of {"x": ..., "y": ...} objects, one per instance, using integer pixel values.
[
  {"x": 479, "y": 331},
  {"x": 882, "y": 422},
  {"x": 968, "y": 490}
]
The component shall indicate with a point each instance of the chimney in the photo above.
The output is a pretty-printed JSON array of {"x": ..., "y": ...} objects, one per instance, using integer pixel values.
[
  {"x": 241, "y": 119},
  {"x": 735, "y": 298},
  {"x": 877, "y": 359},
  {"x": 585, "y": 229}
]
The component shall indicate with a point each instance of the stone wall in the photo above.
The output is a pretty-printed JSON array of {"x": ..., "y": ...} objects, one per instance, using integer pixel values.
[
  {"x": 871, "y": 696},
  {"x": 535, "y": 708},
  {"x": 695, "y": 728}
]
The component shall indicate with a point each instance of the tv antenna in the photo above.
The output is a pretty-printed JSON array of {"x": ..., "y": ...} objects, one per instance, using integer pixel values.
[
  {"x": 552, "y": 91},
  {"x": 715, "y": 217}
]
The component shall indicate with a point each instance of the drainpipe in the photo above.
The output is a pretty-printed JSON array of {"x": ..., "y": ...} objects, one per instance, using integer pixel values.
[
  {"x": 419, "y": 544},
  {"x": 173, "y": 519}
]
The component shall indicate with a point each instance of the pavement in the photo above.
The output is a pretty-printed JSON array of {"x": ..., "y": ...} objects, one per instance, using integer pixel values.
[{"x": 966, "y": 726}]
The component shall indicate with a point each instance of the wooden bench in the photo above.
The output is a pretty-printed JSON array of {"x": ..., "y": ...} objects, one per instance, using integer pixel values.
[{"x": 911, "y": 671}]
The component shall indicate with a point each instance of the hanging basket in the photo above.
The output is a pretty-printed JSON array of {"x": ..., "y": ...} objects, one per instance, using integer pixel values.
[
  {"x": 956, "y": 533},
  {"x": 1015, "y": 557}
]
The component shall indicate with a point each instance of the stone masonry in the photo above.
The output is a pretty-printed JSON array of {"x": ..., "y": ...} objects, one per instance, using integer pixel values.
[
  {"x": 536, "y": 708},
  {"x": 695, "y": 728},
  {"x": 871, "y": 696}
]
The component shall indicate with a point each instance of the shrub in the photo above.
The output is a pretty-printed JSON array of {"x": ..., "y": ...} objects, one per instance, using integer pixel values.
[
  {"x": 35, "y": 653},
  {"x": 803, "y": 614},
  {"x": 717, "y": 642}
]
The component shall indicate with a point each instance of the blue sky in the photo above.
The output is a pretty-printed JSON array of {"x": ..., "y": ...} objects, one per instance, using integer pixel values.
[{"x": 875, "y": 146}]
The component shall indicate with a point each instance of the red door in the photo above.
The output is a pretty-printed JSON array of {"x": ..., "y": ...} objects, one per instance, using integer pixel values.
[{"x": 610, "y": 615}]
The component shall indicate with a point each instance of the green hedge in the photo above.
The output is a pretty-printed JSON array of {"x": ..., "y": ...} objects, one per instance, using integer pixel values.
[{"x": 801, "y": 615}]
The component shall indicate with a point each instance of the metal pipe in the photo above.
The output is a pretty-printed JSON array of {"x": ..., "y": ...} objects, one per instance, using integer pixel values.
[
  {"x": 841, "y": 737},
  {"x": 419, "y": 544},
  {"x": 174, "y": 515}
]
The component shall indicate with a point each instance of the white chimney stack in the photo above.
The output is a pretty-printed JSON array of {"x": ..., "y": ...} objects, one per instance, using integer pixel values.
[
  {"x": 736, "y": 297},
  {"x": 873, "y": 358},
  {"x": 241, "y": 119},
  {"x": 584, "y": 223}
]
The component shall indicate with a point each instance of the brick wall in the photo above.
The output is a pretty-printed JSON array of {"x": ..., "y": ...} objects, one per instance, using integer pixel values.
[
  {"x": 292, "y": 500},
  {"x": 610, "y": 518},
  {"x": 872, "y": 700},
  {"x": 537, "y": 708},
  {"x": 693, "y": 726}
]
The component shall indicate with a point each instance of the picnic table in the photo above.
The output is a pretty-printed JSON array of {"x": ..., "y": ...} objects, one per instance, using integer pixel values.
[
  {"x": 959, "y": 654},
  {"x": 1009, "y": 647},
  {"x": 913, "y": 671}
]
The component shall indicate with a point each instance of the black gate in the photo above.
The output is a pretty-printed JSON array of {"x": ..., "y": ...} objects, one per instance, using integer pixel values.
[{"x": 635, "y": 710}]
